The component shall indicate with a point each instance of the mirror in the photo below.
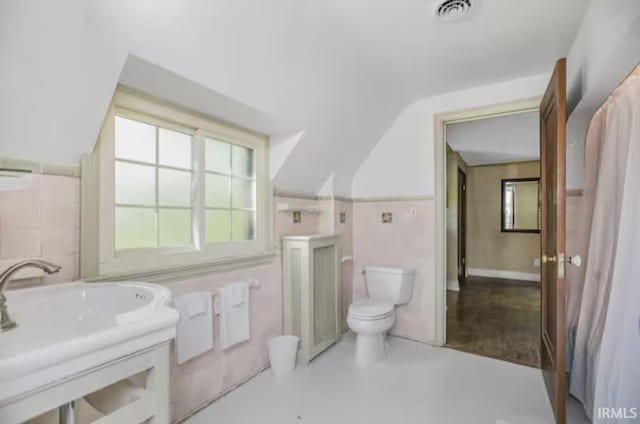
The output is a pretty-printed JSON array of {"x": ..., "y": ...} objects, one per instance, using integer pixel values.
[{"x": 521, "y": 206}]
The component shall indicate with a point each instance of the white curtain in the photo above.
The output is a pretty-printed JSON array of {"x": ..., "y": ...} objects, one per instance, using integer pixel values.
[{"x": 605, "y": 366}]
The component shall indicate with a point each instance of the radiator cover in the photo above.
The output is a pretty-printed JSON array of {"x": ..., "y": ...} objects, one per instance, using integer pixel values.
[{"x": 311, "y": 292}]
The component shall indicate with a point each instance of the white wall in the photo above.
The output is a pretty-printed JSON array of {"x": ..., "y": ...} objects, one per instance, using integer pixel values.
[{"x": 402, "y": 163}]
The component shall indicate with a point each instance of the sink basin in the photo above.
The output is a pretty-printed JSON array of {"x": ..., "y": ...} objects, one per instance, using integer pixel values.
[{"x": 66, "y": 329}]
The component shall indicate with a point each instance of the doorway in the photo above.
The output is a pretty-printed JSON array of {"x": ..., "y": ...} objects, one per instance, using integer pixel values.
[
  {"x": 493, "y": 228},
  {"x": 443, "y": 200}
]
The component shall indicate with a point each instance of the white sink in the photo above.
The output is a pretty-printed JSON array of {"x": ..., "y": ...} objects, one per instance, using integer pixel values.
[{"x": 67, "y": 329}]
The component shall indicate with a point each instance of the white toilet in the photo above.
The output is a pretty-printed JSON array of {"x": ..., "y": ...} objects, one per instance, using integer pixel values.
[{"x": 371, "y": 318}]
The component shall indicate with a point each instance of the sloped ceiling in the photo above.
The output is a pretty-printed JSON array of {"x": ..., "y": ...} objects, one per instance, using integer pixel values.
[
  {"x": 503, "y": 139},
  {"x": 337, "y": 73}
]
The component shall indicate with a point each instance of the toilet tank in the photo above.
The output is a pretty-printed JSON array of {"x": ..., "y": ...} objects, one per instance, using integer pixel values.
[{"x": 390, "y": 284}]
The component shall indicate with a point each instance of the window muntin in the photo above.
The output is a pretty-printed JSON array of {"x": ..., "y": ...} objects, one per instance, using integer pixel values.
[{"x": 153, "y": 179}]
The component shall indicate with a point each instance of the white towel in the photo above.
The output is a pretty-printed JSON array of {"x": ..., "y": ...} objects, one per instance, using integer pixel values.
[
  {"x": 195, "y": 328},
  {"x": 237, "y": 294},
  {"x": 197, "y": 305},
  {"x": 234, "y": 316}
]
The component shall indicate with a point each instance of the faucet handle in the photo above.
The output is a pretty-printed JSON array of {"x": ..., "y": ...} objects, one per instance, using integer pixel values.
[{"x": 6, "y": 322}]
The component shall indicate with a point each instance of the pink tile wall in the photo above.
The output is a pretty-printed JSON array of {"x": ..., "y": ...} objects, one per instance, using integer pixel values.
[
  {"x": 346, "y": 244},
  {"x": 43, "y": 222},
  {"x": 326, "y": 216},
  {"x": 203, "y": 378},
  {"x": 407, "y": 242},
  {"x": 284, "y": 225}
]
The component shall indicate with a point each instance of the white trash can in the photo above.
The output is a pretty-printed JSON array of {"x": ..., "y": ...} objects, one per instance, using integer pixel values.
[{"x": 282, "y": 354}]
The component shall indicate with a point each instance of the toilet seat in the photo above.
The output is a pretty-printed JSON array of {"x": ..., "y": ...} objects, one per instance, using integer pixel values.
[{"x": 370, "y": 310}]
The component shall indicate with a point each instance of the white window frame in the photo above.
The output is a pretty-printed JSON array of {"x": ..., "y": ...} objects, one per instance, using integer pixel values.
[{"x": 153, "y": 263}]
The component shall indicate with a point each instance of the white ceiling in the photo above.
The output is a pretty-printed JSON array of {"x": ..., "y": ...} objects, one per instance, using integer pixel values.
[
  {"x": 504, "y": 139},
  {"x": 501, "y": 40},
  {"x": 338, "y": 72}
]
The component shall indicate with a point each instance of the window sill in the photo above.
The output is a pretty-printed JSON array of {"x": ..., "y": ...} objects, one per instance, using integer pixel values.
[{"x": 185, "y": 272}]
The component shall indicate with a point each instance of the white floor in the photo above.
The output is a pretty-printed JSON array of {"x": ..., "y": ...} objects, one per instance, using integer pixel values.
[{"x": 415, "y": 384}]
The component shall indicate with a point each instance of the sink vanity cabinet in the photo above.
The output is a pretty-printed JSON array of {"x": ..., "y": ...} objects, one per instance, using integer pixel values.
[{"x": 77, "y": 339}]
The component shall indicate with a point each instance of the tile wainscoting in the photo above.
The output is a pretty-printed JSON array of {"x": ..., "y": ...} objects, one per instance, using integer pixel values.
[
  {"x": 206, "y": 377},
  {"x": 408, "y": 241},
  {"x": 42, "y": 221}
]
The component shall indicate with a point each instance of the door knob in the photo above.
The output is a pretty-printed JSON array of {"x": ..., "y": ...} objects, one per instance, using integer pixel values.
[
  {"x": 575, "y": 260},
  {"x": 546, "y": 259}
]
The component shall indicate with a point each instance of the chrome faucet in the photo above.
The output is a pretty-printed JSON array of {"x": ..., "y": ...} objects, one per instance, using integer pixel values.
[{"x": 6, "y": 323}]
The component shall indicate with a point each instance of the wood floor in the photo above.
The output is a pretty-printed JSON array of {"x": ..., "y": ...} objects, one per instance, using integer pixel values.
[{"x": 496, "y": 318}]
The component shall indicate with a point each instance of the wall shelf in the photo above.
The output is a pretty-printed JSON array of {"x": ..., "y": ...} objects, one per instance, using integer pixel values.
[
  {"x": 285, "y": 207},
  {"x": 14, "y": 180}
]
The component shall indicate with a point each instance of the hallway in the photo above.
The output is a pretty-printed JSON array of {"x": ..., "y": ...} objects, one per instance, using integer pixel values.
[{"x": 496, "y": 318}]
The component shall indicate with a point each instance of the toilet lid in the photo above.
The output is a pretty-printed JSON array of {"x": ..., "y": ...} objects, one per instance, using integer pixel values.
[{"x": 368, "y": 309}]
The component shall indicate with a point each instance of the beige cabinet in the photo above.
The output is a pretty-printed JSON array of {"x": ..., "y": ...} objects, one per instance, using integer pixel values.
[{"x": 311, "y": 292}]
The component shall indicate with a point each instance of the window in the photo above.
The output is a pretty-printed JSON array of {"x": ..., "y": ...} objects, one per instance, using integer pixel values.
[{"x": 176, "y": 189}]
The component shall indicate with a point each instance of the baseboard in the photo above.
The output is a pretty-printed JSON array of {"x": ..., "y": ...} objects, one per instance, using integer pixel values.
[
  {"x": 507, "y": 275},
  {"x": 453, "y": 285}
]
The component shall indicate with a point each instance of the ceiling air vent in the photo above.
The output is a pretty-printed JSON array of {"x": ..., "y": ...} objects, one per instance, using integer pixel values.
[{"x": 450, "y": 10}]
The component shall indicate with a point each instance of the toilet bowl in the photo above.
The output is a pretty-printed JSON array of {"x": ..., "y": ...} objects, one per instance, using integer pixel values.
[
  {"x": 371, "y": 328},
  {"x": 371, "y": 318}
]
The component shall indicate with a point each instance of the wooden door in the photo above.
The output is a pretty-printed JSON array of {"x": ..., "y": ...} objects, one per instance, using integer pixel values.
[
  {"x": 553, "y": 186},
  {"x": 462, "y": 227}
]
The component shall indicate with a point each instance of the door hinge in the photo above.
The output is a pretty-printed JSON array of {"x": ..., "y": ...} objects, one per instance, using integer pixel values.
[{"x": 464, "y": 187}]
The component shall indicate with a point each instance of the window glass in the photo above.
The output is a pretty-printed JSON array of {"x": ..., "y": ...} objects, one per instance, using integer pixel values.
[
  {"x": 135, "y": 184},
  {"x": 242, "y": 161},
  {"x": 218, "y": 156},
  {"x": 218, "y": 226},
  {"x": 244, "y": 223},
  {"x": 244, "y": 193},
  {"x": 135, "y": 228},
  {"x": 174, "y": 188},
  {"x": 175, "y": 148},
  {"x": 218, "y": 191},
  {"x": 135, "y": 140},
  {"x": 175, "y": 227},
  {"x": 230, "y": 192}
]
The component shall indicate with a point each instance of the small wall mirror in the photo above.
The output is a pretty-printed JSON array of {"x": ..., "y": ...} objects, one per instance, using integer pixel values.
[{"x": 521, "y": 206}]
